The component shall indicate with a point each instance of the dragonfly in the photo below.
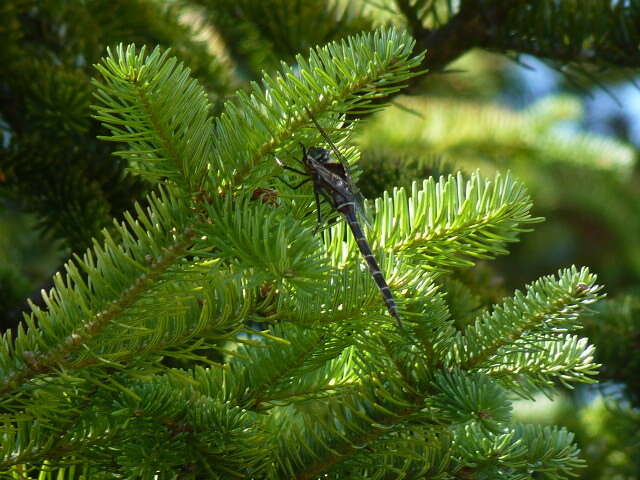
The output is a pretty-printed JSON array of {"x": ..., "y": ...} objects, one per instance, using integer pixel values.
[{"x": 332, "y": 181}]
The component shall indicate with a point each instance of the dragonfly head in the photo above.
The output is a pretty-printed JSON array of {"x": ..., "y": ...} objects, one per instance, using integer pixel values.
[{"x": 320, "y": 155}]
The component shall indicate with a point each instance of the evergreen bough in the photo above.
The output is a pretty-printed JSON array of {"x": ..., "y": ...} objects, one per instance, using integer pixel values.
[{"x": 214, "y": 336}]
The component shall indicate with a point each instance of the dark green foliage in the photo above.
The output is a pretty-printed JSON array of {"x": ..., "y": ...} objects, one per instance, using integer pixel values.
[
  {"x": 51, "y": 162},
  {"x": 615, "y": 323},
  {"x": 261, "y": 34},
  {"x": 603, "y": 35}
]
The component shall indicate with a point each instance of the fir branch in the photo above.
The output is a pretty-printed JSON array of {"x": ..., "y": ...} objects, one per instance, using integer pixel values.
[
  {"x": 74, "y": 295},
  {"x": 348, "y": 296},
  {"x": 158, "y": 413},
  {"x": 549, "y": 306},
  {"x": 537, "y": 364},
  {"x": 421, "y": 453},
  {"x": 345, "y": 75},
  {"x": 463, "y": 398},
  {"x": 518, "y": 452},
  {"x": 166, "y": 417},
  {"x": 319, "y": 437},
  {"x": 105, "y": 317},
  {"x": 605, "y": 34},
  {"x": 151, "y": 104},
  {"x": 314, "y": 362},
  {"x": 258, "y": 238},
  {"x": 316, "y": 450},
  {"x": 447, "y": 224}
]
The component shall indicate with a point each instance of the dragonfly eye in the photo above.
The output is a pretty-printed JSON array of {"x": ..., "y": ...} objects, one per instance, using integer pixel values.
[{"x": 320, "y": 155}]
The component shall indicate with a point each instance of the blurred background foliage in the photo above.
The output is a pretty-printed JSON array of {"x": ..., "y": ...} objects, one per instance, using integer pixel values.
[{"x": 563, "y": 119}]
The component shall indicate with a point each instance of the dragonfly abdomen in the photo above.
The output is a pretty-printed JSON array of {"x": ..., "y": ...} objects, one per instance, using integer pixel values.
[{"x": 348, "y": 212}]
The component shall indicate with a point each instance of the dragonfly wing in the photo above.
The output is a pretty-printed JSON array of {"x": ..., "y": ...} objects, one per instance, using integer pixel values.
[
  {"x": 358, "y": 198},
  {"x": 336, "y": 184},
  {"x": 341, "y": 169},
  {"x": 336, "y": 178}
]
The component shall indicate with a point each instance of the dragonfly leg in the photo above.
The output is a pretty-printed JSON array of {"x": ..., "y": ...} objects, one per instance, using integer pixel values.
[
  {"x": 328, "y": 199},
  {"x": 294, "y": 187},
  {"x": 291, "y": 169},
  {"x": 287, "y": 167}
]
